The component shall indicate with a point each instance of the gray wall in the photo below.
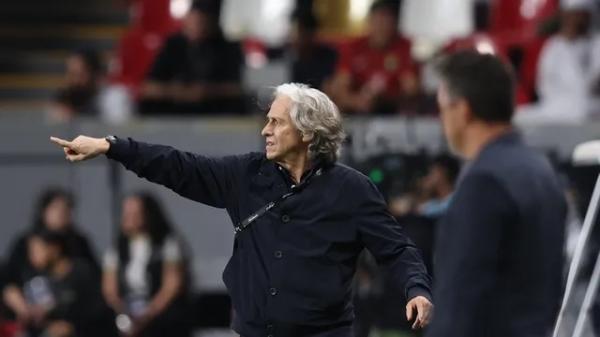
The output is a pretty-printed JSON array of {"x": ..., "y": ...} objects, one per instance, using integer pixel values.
[{"x": 29, "y": 162}]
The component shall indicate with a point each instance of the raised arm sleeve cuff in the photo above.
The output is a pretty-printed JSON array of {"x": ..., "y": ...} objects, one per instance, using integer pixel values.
[
  {"x": 119, "y": 149},
  {"x": 418, "y": 290}
]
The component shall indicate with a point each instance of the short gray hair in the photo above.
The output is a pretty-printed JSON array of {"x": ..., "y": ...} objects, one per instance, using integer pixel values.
[{"x": 314, "y": 114}]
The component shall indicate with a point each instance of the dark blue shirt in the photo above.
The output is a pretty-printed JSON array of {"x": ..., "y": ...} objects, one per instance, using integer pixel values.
[
  {"x": 294, "y": 265},
  {"x": 499, "y": 258}
]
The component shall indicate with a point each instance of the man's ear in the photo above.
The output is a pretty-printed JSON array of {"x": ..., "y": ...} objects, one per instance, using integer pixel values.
[
  {"x": 464, "y": 109},
  {"x": 308, "y": 137}
]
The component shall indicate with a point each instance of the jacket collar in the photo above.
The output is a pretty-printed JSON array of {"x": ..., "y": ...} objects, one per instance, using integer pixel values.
[{"x": 510, "y": 137}]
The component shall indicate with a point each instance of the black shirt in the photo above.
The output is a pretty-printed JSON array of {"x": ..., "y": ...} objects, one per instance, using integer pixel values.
[
  {"x": 77, "y": 245},
  {"x": 295, "y": 264},
  {"x": 312, "y": 67},
  {"x": 74, "y": 297},
  {"x": 214, "y": 61}
]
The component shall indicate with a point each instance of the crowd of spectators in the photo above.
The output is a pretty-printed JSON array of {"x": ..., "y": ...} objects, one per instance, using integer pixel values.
[
  {"x": 198, "y": 70},
  {"x": 53, "y": 286}
]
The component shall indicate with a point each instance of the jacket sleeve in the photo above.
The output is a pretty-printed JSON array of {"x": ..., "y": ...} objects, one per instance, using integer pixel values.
[
  {"x": 468, "y": 253},
  {"x": 385, "y": 239},
  {"x": 211, "y": 181}
]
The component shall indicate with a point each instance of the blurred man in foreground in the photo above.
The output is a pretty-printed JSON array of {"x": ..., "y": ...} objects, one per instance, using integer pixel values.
[{"x": 499, "y": 250}]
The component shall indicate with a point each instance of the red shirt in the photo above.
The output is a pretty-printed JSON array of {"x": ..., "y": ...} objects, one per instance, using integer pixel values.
[{"x": 381, "y": 68}]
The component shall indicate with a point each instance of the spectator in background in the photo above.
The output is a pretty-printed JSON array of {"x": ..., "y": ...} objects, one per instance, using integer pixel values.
[
  {"x": 85, "y": 92},
  {"x": 437, "y": 186},
  {"x": 145, "y": 273},
  {"x": 59, "y": 296},
  {"x": 568, "y": 81},
  {"x": 197, "y": 70},
  {"x": 428, "y": 195},
  {"x": 376, "y": 73},
  {"x": 311, "y": 61},
  {"x": 54, "y": 213}
]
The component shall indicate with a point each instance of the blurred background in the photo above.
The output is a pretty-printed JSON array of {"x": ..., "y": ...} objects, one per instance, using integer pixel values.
[{"x": 198, "y": 75}]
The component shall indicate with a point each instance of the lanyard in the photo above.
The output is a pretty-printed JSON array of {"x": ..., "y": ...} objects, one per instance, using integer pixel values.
[{"x": 263, "y": 210}]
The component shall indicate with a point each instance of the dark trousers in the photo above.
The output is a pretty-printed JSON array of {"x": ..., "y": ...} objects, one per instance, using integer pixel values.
[{"x": 303, "y": 331}]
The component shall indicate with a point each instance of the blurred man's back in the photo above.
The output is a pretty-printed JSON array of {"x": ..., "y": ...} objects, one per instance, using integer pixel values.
[
  {"x": 500, "y": 246},
  {"x": 499, "y": 249}
]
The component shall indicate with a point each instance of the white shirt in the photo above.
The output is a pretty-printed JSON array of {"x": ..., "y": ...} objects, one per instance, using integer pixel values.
[
  {"x": 567, "y": 70},
  {"x": 140, "y": 251}
]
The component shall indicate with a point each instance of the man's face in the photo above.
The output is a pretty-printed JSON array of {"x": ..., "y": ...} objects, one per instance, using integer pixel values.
[
  {"x": 196, "y": 25},
  {"x": 575, "y": 22},
  {"x": 432, "y": 181},
  {"x": 382, "y": 26},
  {"x": 132, "y": 218},
  {"x": 299, "y": 36},
  {"x": 57, "y": 215},
  {"x": 77, "y": 72},
  {"x": 39, "y": 252},
  {"x": 453, "y": 113},
  {"x": 283, "y": 139}
]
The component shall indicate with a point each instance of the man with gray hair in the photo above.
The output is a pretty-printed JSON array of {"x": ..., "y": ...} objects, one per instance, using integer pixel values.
[{"x": 300, "y": 219}]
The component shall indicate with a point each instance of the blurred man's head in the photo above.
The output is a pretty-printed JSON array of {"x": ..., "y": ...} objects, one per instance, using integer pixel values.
[
  {"x": 142, "y": 214},
  {"x": 302, "y": 121},
  {"x": 382, "y": 23},
  {"x": 441, "y": 177},
  {"x": 476, "y": 91},
  {"x": 83, "y": 69},
  {"x": 54, "y": 210},
  {"x": 576, "y": 16},
  {"x": 45, "y": 248},
  {"x": 202, "y": 20},
  {"x": 132, "y": 216},
  {"x": 304, "y": 28}
]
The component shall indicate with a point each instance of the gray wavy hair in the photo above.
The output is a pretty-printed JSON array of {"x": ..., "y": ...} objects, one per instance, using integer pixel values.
[{"x": 314, "y": 114}]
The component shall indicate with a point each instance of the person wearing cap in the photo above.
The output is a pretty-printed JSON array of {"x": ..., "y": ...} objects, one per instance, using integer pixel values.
[
  {"x": 568, "y": 80},
  {"x": 300, "y": 219},
  {"x": 197, "y": 70}
]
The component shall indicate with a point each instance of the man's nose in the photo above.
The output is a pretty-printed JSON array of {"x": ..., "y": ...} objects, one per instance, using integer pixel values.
[{"x": 266, "y": 131}]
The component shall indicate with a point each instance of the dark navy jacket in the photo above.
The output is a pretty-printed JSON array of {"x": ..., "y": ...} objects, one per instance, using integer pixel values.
[
  {"x": 294, "y": 265},
  {"x": 499, "y": 251}
]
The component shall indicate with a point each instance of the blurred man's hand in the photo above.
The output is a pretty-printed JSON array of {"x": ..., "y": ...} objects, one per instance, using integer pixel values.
[
  {"x": 423, "y": 309},
  {"x": 82, "y": 147},
  {"x": 60, "y": 329}
]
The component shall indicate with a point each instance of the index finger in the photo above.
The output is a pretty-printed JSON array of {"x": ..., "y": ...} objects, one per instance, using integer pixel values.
[
  {"x": 60, "y": 142},
  {"x": 416, "y": 324}
]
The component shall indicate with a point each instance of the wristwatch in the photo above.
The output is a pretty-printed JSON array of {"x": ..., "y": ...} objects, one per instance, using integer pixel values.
[{"x": 112, "y": 140}]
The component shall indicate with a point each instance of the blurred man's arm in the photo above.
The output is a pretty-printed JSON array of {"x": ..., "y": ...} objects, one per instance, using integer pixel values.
[
  {"x": 189, "y": 93},
  {"x": 340, "y": 88},
  {"x": 110, "y": 290},
  {"x": 155, "y": 90},
  {"x": 198, "y": 92},
  {"x": 14, "y": 299},
  {"x": 172, "y": 285}
]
